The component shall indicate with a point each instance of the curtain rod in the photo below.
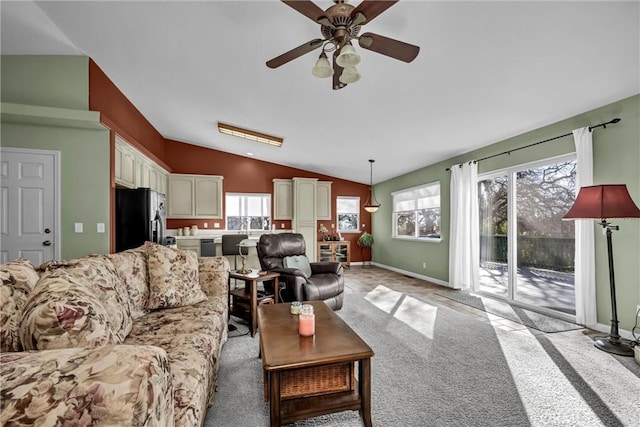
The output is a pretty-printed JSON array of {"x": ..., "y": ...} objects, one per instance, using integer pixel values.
[{"x": 603, "y": 125}]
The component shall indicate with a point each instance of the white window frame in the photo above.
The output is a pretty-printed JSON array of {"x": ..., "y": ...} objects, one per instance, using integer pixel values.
[
  {"x": 243, "y": 208},
  {"x": 357, "y": 212},
  {"x": 415, "y": 237},
  {"x": 512, "y": 214}
]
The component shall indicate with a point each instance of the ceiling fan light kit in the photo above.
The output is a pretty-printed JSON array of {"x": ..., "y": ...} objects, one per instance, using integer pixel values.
[
  {"x": 339, "y": 25},
  {"x": 349, "y": 75},
  {"x": 322, "y": 69},
  {"x": 348, "y": 56}
]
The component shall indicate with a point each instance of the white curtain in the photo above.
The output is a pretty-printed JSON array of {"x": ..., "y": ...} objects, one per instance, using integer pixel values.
[
  {"x": 585, "y": 274},
  {"x": 464, "y": 247}
]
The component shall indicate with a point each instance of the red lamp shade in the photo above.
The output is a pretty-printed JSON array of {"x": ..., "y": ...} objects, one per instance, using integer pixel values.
[{"x": 603, "y": 201}]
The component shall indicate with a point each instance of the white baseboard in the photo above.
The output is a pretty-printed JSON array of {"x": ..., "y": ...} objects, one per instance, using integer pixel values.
[
  {"x": 412, "y": 274},
  {"x": 607, "y": 328}
]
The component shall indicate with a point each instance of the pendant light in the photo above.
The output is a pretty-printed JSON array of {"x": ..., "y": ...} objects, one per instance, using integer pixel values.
[{"x": 371, "y": 205}]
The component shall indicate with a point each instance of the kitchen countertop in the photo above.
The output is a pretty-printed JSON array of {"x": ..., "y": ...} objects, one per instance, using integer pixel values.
[{"x": 217, "y": 237}]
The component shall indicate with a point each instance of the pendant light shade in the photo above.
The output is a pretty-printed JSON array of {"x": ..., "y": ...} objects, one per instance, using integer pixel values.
[
  {"x": 322, "y": 69},
  {"x": 348, "y": 56},
  {"x": 349, "y": 75},
  {"x": 371, "y": 205}
]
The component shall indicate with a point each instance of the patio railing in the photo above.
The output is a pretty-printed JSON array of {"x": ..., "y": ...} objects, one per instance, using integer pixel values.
[{"x": 550, "y": 253}]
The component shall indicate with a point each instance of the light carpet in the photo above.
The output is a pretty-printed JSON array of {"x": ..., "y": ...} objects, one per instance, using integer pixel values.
[
  {"x": 529, "y": 318},
  {"x": 434, "y": 366}
]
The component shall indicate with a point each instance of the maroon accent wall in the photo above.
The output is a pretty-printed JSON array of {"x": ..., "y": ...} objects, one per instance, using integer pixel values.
[
  {"x": 246, "y": 175},
  {"x": 122, "y": 117},
  {"x": 241, "y": 174}
]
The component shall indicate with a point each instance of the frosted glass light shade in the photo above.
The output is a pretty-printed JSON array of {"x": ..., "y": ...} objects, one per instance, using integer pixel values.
[
  {"x": 323, "y": 68},
  {"x": 348, "y": 56},
  {"x": 349, "y": 75}
]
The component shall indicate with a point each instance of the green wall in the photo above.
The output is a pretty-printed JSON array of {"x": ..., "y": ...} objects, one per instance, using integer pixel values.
[
  {"x": 616, "y": 152},
  {"x": 50, "y": 81},
  {"x": 62, "y": 83}
]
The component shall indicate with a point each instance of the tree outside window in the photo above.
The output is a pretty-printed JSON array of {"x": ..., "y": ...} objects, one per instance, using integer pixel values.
[
  {"x": 348, "y": 214},
  {"x": 248, "y": 211},
  {"x": 417, "y": 212}
]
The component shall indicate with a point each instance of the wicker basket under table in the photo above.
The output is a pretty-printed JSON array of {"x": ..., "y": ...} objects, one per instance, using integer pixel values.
[{"x": 314, "y": 381}]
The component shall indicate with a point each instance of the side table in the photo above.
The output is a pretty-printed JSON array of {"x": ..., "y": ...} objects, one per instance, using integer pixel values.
[{"x": 250, "y": 294}]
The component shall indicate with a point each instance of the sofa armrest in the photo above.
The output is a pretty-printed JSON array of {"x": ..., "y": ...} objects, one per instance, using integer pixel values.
[
  {"x": 214, "y": 275},
  {"x": 109, "y": 385}
]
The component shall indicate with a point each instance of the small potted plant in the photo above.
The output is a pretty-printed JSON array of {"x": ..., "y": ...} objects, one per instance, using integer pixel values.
[{"x": 365, "y": 241}]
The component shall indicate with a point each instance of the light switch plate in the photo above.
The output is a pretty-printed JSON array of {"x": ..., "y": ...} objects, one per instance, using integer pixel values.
[
  {"x": 78, "y": 227},
  {"x": 216, "y": 225},
  {"x": 100, "y": 227}
]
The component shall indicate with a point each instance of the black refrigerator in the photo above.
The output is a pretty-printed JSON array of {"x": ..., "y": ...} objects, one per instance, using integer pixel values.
[{"x": 141, "y": 216}]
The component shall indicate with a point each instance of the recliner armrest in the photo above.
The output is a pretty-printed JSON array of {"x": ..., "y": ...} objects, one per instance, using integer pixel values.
[
  {"x": 326, "y": 267},
  {"x": 289, "y": 271}
]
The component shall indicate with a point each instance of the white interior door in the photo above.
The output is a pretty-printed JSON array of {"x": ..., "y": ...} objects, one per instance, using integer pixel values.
[{"x": 29, "y": 212}]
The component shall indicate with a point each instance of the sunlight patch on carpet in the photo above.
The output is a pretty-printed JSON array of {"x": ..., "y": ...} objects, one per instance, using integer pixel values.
[
  {"x": 384, "y": 298},
  {"x": 417, "y": 314},
  {"x": 539, "y": 382}
]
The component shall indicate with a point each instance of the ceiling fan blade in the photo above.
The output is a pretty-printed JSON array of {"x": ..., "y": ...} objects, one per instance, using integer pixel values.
[
  {"x": 307, "y": 8},
  {"x": 337, "y": 72},
  {"x": 371, "y": 8},
  {"x": 294, "y": 53},
  {"x": 393, "y": 48}
]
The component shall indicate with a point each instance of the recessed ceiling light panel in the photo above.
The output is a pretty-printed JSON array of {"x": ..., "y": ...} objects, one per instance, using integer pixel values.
[{"x": 250, "y": 135}]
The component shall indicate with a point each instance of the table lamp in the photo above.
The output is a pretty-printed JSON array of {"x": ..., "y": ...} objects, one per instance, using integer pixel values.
[
  {"x": 245, "y": 244},
  {"x": 603, "y": 202}
]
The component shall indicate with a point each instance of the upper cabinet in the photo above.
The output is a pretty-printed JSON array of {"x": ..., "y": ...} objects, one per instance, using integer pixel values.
[
  {"x": 124, "y": 164},
  {"x": 323, "y": 204},
  {"x": 282, "y": 199},
  {"x": 133, "y": 169},
  {"x": 195, "y": 196}
]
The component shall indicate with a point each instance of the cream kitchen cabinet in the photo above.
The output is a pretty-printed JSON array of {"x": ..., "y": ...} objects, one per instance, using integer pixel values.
[
  {"x": 323, "y": 204},
  {"x": 133, "y": 169},
  {"x": 124, "y": 168},
  {"x": 189, "y": 245},
  {"x": 282, "y": 199},
  {"x": 304, "y": 212},
  {"x": 195, "y": 196}
]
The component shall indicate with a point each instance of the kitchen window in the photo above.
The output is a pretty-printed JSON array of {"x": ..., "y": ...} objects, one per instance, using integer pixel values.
[
  {"x": 348, "y": 213},
  {"x": 248, "y": 211}
]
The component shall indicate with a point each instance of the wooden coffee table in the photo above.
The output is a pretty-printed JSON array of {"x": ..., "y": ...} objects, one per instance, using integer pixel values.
[{"x": 310, "y": 376}]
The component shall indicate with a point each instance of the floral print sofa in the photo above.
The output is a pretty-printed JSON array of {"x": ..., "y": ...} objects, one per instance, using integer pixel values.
[{"x": 132, "y": 338}]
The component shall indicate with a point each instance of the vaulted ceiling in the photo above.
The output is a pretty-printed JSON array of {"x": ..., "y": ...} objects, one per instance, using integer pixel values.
[{"x": 486, "y": 71}]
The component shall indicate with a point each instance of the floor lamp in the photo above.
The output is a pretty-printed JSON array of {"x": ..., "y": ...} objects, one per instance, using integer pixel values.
[{"x": 604, "y": 202}]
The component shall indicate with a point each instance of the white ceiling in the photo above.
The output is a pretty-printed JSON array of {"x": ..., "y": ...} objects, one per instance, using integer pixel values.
[{"x": 486, "y": 71}]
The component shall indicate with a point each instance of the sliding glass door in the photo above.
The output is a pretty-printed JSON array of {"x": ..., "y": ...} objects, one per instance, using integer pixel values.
[{"x": 526, "y": 250}]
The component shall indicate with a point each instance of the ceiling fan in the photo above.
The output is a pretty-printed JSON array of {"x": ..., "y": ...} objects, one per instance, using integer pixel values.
[{"x": 339, "y": 25}]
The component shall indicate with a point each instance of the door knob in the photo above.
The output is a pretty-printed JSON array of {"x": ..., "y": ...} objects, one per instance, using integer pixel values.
[
  {"x": 47, "y": 243},
  {"x": 47, "y": 230}
]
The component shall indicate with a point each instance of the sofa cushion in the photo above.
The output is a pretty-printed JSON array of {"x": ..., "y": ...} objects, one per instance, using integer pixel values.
[
  {"x": 132, "y": 267},
  {"x": 18, "y": 279},
  {"x": 301, "y": 262},
  {"x": 62, "y": 312},
  {"x": 76, "y": 303},
  {"x": 173, "y": 277},
  {"x": 98, "y": 274},
  {"x": 105, "y": 386},
  {"x": 213, "y": 275}
]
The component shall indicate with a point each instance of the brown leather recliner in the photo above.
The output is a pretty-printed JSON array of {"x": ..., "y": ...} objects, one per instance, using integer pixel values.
[{"x": 326, "y": 282}]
